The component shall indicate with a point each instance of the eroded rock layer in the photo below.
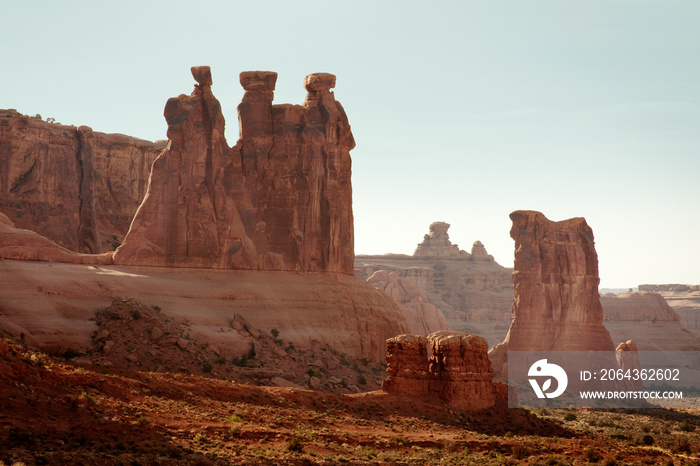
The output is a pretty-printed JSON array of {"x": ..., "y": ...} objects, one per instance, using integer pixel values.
[
  {"x": 77, "y": 187},
  {"x": 280, "y": 199},
  {"x": 556, "y": 306}
]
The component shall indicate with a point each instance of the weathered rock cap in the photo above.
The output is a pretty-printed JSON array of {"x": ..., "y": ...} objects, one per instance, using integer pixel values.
[
  {"x": 444, "y": 338},
  {"x": 258, "y": 80},
  {"x": 202, "y": 74},
  {"x": 319, "y": 82}
]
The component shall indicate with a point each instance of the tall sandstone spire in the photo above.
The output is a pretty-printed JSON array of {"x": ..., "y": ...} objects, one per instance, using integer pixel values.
[
  {"x": 556, "y": 305},
  {"x": 280, "y": 199}
]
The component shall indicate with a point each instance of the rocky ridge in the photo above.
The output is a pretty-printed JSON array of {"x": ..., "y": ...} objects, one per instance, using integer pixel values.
[
  {"x": 423, "y": 318},
  {"x": 647, "y": 318}
]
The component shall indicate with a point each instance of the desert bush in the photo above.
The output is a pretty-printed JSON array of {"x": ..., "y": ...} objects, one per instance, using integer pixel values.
[
  {"x": 207, "y": 367},
  {"x": 681, "y": 444},
  {"x": 569, "y": 417},
  {"x": 521, "y": 451},
  {"x": 295, "y": 444},
  {"x": 685, "y": 426},
  {"x": 592, "y": 455}
]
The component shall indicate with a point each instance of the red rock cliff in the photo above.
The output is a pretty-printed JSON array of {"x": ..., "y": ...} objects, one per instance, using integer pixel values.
[
  {"x": 75, "y": 186},
  {"x": 280, "y": 199}
]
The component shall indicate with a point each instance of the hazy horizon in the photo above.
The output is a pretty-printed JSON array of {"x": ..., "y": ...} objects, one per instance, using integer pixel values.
[{"x": 463, "y": 111}]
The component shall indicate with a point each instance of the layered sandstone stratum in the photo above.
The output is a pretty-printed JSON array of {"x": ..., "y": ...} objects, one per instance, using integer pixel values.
[{"x": 276, "y": 207}]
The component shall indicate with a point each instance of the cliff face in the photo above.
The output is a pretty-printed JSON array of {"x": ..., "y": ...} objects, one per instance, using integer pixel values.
[
  {"x": 280, "y": 199},
  {"x": 77, "y": 187}
]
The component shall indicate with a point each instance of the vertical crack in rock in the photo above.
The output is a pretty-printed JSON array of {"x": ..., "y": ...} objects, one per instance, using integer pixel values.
[{"x": 87, "y": 239}]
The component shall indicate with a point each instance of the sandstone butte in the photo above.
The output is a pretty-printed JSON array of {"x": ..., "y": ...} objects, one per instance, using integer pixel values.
[
  {"x": 280, "y": 199},
  {"x": 276, "y": 207},
  {"x": 556, "y": 305},
  {"x": 77, "y": 187},
  {"x": 450, "y": 366}
]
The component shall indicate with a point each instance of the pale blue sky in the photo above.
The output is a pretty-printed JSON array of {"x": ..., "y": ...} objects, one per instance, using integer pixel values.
[{"x": 463, "y": 111}]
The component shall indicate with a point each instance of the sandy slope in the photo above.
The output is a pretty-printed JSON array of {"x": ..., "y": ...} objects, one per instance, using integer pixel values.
[{"x": 53, "y": 304}]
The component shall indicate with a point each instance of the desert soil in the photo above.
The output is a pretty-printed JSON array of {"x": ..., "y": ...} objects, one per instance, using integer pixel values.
[{"x": 56, "y": 410}]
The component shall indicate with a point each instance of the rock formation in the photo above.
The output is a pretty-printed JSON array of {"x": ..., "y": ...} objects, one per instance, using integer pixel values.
[
  {"x": 20, "y": 244},
  {"x": 473, "y": 292},
  {"x": 479, "y": 252},
  {"x": 684, "y": 299},
  {"x": 75, "y": 186},
  {"x": 423, "y": 318},
  {"x": 437, "y": 244},
  {"x": 556, "y": 306},
  {"x": 628, "y": 359},
  {"x": 280, "y": 199},
  {"x": 456, "y": 370},
  {"x": 648, "y": 319}
]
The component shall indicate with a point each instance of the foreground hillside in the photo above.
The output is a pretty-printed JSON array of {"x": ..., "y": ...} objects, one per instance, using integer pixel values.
[{"x": 55, "y": 411}]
